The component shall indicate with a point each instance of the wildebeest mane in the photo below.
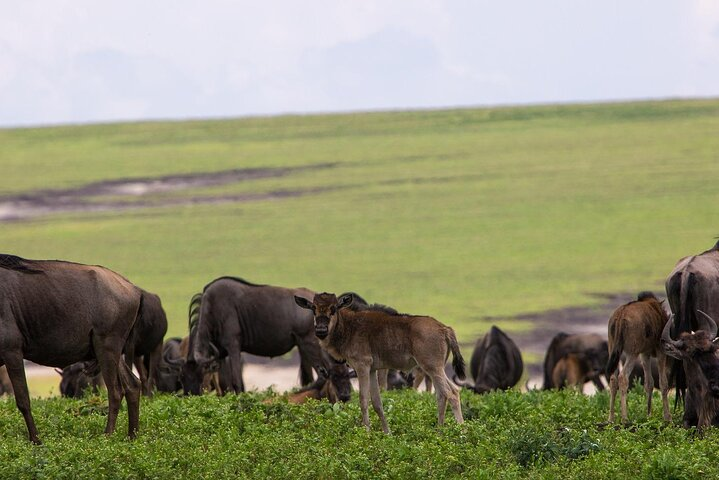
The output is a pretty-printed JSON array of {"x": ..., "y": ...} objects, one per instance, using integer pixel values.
[
  {"x": 236, "y": 279},
  {"x": 17, "y": 264},
  {"x": 359, "y": 304},
  {"x": 193, "y": 314}
]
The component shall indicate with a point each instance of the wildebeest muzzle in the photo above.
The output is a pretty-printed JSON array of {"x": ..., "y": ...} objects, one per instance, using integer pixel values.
[{"x": 322, "y": 327}]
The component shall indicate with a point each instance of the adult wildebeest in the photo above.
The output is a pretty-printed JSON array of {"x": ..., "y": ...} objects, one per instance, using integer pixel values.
[
  {"x": 144, "y": 345},
  {"x": 496, "y": 363},
  {"x": 635, "y": 329},
  {"x": 370, "y": 340},
  {"x": 591, "y": 346},
  {"x": 698, "y": 352},
  {"x": 76, "y": 378},
  {"x": 238, "y": 316},
  {"x": 5, "y": 384},
  {"x": 56, "y": 313},
  {"x": 693, "y": 285}
]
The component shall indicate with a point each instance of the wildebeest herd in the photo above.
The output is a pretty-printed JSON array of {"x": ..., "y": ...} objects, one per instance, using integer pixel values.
[{"x": 96, "y": 325}]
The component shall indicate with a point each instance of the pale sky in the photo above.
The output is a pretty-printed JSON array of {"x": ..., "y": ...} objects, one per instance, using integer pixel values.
[{"x": 77, "y": 61}]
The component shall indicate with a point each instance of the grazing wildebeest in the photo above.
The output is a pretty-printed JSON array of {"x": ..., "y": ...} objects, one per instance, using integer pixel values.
[
  {"x": 496, "y": 363},
  {"x": 371, "y": 340},
  {"x": 589, "y": 345},
  {"x": 76, "y": 378},
  {"x": 5, "y": 384},
  {"x": 238, "y": 316},
  {"x": 693, "y": 285},
  {"x": 57, "y": 313},
  {"x": 635, "y": 329},
  {"x": 573, "y": 370},
  {"x": 169, "y": 369},
  {"x": 698, "y": 352},
  {"x": 144, "y": 345}
]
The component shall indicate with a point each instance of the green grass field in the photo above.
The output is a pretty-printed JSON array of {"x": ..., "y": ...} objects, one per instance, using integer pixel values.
[
  {"x": 461, "y": 214},
  {"x": 507, "y": 435}
]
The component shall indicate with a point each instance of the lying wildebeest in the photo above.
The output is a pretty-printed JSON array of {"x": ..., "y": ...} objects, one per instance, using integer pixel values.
[
  {"x": 144, "y": 345},
  {"x": 76, "y": 378},
  {"x": 496, "y": 363},
  {"x": 573, "y": 370},
  {"x": 698, "y": 352},
  {"x": 635, "y": 329},
  {"x": 333, "y": 384},
  {"x": 693, "y": 285},
  {"x": 588, "y": 345},
  {"x": 237, "y": 316},
  {"x": 5, "y": 384},
  {"x": 57, "y": 313},
  {"x": 370, "y": 340}
]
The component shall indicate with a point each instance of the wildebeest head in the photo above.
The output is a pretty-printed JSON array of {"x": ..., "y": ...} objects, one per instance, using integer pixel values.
[
  {"x": 338, "y": 381},
  {"x": 324, "y": 308},
  {"x": 76, "y": 379},
  {"x": 194, "y": 370},
  {"x": 697, "y": 347}
]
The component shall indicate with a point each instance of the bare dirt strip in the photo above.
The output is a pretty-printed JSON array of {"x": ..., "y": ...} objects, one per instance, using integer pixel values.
[{"x": 89, "y": 198}]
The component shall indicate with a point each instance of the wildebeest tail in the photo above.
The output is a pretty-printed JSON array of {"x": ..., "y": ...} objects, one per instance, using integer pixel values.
[
  {"x": 616, "y": 339},
  {"x": 457, "y": 359}
]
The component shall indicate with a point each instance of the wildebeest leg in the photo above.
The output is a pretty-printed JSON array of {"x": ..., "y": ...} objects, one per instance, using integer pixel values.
[
  {"x": 377, "y": 399},
  {"x": 613, "y": 383},
  {"x": 16, "y": 372},
  {"x": 131, "y": 388},
  {"x": 108, "y": 356},
  {"x": 648, "y": 380},
  {"x": 140, "y": 367},
  {"x": 597, "y": 381},
  {"x": 235, "y": 359},
  {"x": 216, "y": 381},
  {"x": 445, "y": 391},
  {"x": 662, "y": 363},
  {"x": 364, "y": 390},
  {"x": 624, "y": 384},
  {"x": 382, "y": 378},
  {"x": 310, "y": 357},
  {"x": 153, "y": 367}
]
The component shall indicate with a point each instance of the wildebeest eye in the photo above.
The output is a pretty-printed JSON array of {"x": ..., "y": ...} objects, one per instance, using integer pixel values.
[{"x": 333, "y": 310}]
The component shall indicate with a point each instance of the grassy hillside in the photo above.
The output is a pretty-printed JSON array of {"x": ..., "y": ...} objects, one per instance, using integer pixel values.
[{"x": 462, "y": 214}]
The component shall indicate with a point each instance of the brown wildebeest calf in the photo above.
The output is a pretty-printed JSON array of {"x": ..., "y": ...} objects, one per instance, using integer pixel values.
[
  {"x": 698, "y": 352},
  {"x": 372, "y": 340},
  {"x": 572, "y": 370},
  {"x": 636, "y": 329}
]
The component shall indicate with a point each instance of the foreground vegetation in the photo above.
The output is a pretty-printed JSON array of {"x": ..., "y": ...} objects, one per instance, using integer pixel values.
[
  {"x": 460, "y": 214},
  {"x": 507, "y": 435}
]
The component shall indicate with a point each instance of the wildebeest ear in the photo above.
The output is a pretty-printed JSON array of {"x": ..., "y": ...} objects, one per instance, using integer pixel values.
[
  {"x": 304, "y": 303},
  {"x": 323, "y": 371},
  {"x": 345, "y": 301},
  {"x": 353, "y": 373}
]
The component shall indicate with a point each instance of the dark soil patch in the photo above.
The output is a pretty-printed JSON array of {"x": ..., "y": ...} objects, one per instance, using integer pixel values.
[{"x": 45, "y": 202}]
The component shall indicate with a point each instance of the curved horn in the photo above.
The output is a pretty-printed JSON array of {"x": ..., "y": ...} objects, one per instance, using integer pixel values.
[
  {"x": 712, "y": 324},
  {"x": 215, "y": 350},
  {"x": 666, "y": 333}
]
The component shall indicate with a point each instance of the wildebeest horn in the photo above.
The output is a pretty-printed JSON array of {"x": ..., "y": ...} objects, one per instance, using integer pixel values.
[
  {"x": 215, "y": 350},
  {"x": 666, "y": 333},
  {"x": 176, "y": 362},
  {"x": 58, "y": 371},
  {"x": 712, "y": 324}
]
